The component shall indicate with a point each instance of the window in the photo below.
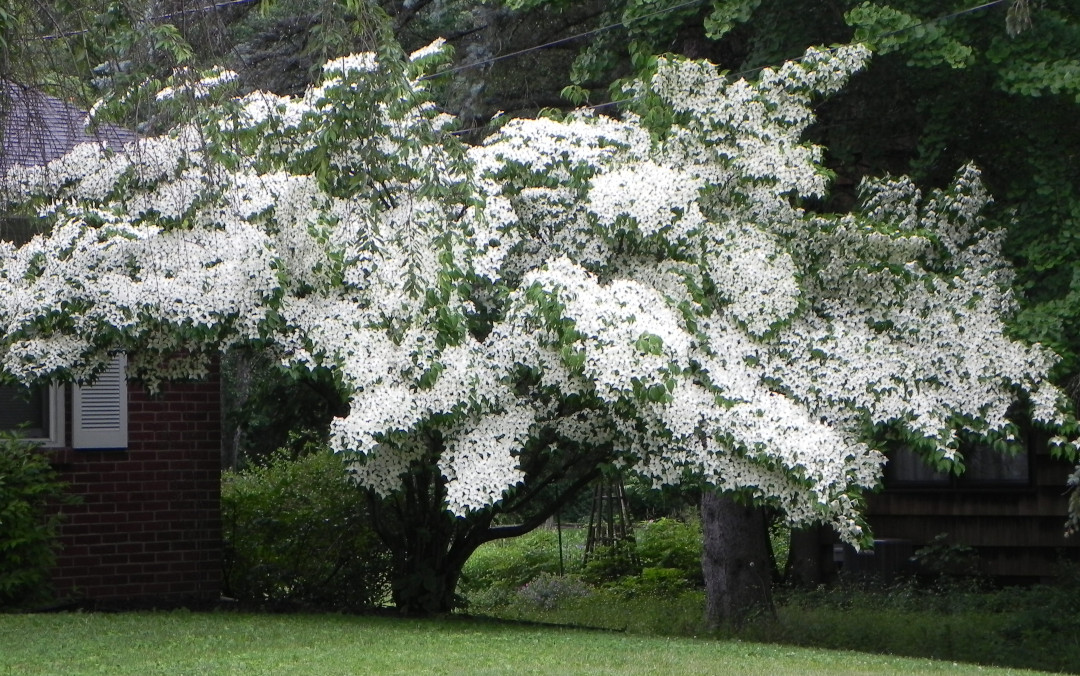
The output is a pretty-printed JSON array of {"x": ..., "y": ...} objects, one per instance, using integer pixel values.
[
  {"x": 36, "y": 413},
  {"x": 98, "y": 411},
  {"x": 983, "y": 467}
]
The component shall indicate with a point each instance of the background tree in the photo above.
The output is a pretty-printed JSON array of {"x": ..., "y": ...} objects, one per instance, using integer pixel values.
[{"x": 994, "y": 83}]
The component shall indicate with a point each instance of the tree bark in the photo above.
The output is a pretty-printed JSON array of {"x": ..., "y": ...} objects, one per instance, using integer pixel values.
[
  {"x": 735, "y": 561},
  {"x": 805, "y": 565}
]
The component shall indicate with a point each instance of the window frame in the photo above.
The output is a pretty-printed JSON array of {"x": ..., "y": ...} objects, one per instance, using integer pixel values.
[{"x": 56, "y": 427}]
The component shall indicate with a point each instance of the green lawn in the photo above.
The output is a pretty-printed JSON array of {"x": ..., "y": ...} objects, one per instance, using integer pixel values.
[{"x": 229, "y": 643}]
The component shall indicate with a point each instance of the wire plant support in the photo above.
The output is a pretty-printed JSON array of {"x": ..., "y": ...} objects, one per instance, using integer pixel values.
[{"x": 611, "y": 531}]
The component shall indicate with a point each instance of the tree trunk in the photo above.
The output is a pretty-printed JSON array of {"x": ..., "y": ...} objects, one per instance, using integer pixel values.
[
  {"x": 735, "y": 561},
  {"x": 430, "y": 546},
  {"x": 806, "y": 566},
  {"x": 426, "y": 569}
]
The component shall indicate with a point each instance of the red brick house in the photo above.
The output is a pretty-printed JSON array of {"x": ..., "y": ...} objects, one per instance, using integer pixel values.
[{"x": 146, "y": 468}]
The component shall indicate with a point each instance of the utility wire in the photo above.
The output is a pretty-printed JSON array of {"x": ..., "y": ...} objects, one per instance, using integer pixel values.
[
  {"x": 172, "y": 15},
  {"x": 889, "y": 34},
  {"x": 727, "y": 76},
  {"x": 560, "y": 41}
]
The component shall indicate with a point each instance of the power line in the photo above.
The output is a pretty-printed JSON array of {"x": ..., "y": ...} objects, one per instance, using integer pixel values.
[
  {"x": 928, "y": 22},
  {"x": 945, "y": 17},
  {"x": 728, "y": 76},
  {"x": 172, "y": 15},
  {"x": 560, "y": 41}
]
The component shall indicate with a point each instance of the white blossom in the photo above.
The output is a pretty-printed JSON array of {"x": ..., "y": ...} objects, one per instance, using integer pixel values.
[{"x": 582, "y": 282}]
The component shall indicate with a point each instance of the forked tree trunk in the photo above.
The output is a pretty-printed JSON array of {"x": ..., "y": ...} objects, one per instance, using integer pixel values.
[
  {"x": 735, "y": 561},
  {"x": 426, "y": 566},
  {"x": 429, "y": 546}
]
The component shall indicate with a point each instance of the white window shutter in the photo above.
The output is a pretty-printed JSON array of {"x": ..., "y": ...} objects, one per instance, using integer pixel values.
[{"x": 99, "y": 411}]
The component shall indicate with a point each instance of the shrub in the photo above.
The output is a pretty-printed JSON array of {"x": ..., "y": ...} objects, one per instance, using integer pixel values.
[
  {"x": 1046, "y": 614},
  {"x": 548, "y": 591},
  {"x": 297, "y": 532},
  {"x": 28, "y": 484},
  {"x": 612, "y": 563},
  {"x": 662, "y": 582},
  {"x": 673, "y": 544},
  {"x": 941, "y": 558}
]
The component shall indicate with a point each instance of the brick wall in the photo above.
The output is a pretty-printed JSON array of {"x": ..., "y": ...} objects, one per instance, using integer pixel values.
[{"x": 149, "y": 523}]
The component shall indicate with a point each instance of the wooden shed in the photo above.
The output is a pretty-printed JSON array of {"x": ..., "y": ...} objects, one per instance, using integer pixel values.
[{"x": 1010, "y": 508}]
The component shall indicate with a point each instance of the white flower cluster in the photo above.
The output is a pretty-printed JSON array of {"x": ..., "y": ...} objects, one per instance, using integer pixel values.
[
  {"x": 574, "y": 281},
  {"x": 364, "y": 62},
  {"x": 199, "y": 89},
  {"x": 480, "y": 461}
]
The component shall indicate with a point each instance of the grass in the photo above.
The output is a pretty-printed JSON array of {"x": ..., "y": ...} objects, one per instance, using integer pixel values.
[{"x": 232, "y": 643}]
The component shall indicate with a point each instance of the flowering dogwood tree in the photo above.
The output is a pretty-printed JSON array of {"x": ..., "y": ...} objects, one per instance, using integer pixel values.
[{"x": 508, "y": 318}]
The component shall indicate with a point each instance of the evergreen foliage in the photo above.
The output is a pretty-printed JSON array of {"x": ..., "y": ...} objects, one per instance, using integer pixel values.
[{"x": 297, "y": 534}]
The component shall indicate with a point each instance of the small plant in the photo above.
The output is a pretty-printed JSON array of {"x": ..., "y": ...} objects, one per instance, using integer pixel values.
[
  {"x": 548, "y": 591},
  {"x": 28, "y": 485},
  {"x": 946, "y": 560}
]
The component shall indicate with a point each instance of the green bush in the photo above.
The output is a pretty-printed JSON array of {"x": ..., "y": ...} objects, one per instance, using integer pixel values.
[
  {"x": 672, "y": 544},
  {"x": 608, "y": 565},
  {"x": 28, "y": 484},
  {"x": 651, "y": 582},
  {"x": 297, "y": 532}
]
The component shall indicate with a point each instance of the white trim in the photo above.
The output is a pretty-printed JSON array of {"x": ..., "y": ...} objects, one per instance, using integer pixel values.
[{"x": 56, "y": 438}]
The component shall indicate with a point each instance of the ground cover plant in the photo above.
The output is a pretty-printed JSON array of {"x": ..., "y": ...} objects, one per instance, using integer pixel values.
[
  {"x": 233, "y": 643},
  {"x": 934, "y": 615}
]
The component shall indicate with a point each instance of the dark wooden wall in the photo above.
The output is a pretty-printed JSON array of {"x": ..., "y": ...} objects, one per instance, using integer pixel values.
[{"x": 1018, "y": 531}]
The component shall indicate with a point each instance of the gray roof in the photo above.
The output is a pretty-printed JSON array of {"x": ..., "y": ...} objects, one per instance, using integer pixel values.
[{"x": 38, "y": 128}]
